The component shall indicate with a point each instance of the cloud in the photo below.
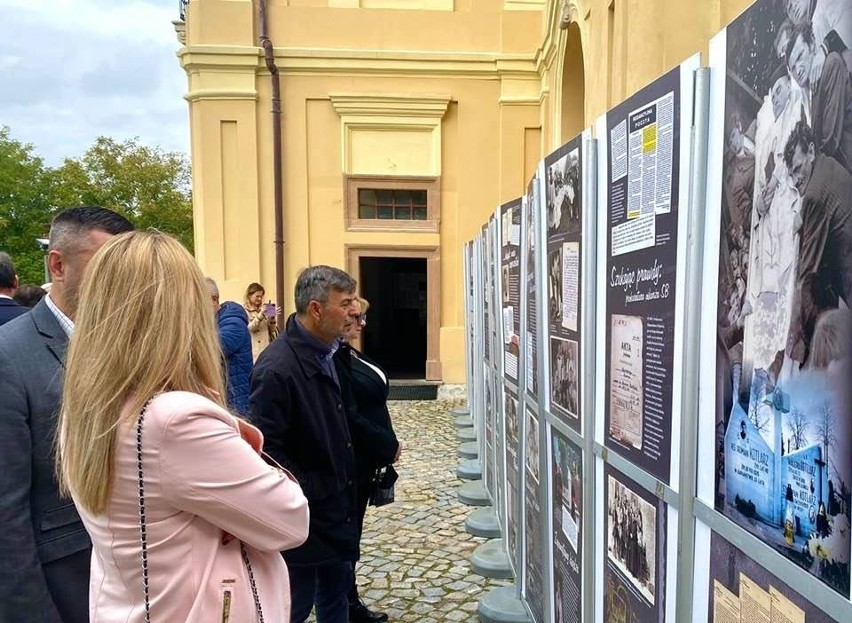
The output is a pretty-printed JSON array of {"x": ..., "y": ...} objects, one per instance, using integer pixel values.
[{"x": 73, "y": 70}]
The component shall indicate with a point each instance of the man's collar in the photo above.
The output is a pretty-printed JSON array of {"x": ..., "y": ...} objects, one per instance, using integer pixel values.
[
  {"x": 64, "y": 321},
  {"x": 323, "y": 349},
  {"x": 6, "y": 296}
]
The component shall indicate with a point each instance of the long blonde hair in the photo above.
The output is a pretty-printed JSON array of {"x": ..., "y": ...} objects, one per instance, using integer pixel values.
[{"x": 144, "y": 325}]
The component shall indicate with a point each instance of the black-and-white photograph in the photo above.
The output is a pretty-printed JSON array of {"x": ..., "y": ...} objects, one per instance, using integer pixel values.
[
  {"x": 564, "y": 378},
  {"x": 506, "y": 295},
  {"x": 563, "y": 194},
  {"x": 567, "y": 489},
  {"x": 632, "y": 537},
  {"x": 531, "y": 233},
  {"x": 532, "y": 445},
  {"x": 512, "y": 423},
  {"x": 554, "y": 287},
  {"x": 785, "y": 274}
]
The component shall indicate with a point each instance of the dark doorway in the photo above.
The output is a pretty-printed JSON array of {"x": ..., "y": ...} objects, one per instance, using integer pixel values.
[{"x": 395, "y": 335}]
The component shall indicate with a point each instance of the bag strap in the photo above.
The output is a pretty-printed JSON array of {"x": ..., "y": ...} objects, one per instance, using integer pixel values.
[{"x": 143, "y": 531}]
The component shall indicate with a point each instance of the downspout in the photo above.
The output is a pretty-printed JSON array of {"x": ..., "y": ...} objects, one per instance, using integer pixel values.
[{"x": 269, "y": 56}]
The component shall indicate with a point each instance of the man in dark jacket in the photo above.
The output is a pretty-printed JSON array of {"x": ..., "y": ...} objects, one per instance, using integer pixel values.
[
  {"x": 45, "y": 551},
  {"x": 824, "y": 224},
  {"x": 296, "y": 401},
  {"x": 9, "y": 308},
  {"x": 232, "y": 321}
]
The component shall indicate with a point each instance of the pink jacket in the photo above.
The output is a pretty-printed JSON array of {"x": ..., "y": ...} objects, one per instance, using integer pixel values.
[{"x": 201, "y": 481}]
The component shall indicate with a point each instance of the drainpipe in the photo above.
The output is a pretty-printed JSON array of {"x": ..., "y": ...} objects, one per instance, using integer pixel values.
[{"x": 269, "y": 56}]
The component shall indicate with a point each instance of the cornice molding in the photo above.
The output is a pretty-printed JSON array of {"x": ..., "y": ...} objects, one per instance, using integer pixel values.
[
  {"x": 389, "y": 105},
  {"x": 359, "y": 62},
  {"x": 220, "y": 94}
]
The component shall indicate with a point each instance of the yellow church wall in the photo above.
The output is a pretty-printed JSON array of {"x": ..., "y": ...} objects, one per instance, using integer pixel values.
[{"x": 473, "y": 93}]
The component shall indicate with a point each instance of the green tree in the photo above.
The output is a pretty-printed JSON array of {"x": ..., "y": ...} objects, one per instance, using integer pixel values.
[
  {"x": 26, "y": 208},
  {"x": 150, "y": 186}
]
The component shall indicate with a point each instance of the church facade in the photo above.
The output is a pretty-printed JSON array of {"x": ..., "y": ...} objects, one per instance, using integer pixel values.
[{"x": 404, "y": 124}]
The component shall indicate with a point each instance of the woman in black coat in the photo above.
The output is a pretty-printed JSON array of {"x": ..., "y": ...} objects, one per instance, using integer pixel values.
[{"x": 369, "y": 390}]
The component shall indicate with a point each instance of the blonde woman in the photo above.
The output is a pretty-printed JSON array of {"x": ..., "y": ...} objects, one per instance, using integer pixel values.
[
  {"x": 262, "y": 327},
  {"x": 186, "y": 518}
]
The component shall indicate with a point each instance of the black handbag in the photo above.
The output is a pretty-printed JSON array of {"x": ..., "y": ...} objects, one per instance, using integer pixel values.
[
  {"x": 143, "y": 531},
  {"x": 383, "y": 486}
]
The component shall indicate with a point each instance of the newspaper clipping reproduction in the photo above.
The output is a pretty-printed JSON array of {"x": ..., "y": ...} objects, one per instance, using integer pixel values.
[
  {"x": 530, "y": 212},
  {"x": 510, "y": 267},
  {"x": 642, "y": 223}
]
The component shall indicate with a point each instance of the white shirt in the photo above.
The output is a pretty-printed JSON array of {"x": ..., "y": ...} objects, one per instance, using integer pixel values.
[
  {"x": 375, "y": 369},
  {"x": 6, "y": 296},
  {"x": 64, "y": 321}
]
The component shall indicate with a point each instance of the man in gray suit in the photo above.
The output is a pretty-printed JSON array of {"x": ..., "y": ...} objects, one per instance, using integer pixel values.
[{"x": 44, "y": 549}]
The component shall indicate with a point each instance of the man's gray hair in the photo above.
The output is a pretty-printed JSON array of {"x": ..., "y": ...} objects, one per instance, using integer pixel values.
[
  {"x": 7, "y": 271},
  {"x": 315, "y": 283}
]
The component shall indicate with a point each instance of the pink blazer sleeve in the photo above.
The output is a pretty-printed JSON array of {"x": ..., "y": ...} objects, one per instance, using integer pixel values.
[{"x": 208, "y": 470}]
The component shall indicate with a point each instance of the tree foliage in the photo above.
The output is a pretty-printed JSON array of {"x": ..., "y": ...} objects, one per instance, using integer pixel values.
[
  {"x": 148, "y": 185},
  {"x": 25, "y": 206}
]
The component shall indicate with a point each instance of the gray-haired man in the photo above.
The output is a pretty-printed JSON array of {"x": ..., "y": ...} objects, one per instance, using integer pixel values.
[{"x": 296, "y": 400}]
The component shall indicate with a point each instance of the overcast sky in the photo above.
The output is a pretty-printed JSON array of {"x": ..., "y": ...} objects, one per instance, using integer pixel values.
[{"x": 72, "y": 70}]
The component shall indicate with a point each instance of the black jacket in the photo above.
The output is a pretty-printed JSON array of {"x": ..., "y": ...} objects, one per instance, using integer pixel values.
[
  {"x": 10, "y": 309},
  {"x": 298, "y": 407},
  {"x": 366, "y": 396}
]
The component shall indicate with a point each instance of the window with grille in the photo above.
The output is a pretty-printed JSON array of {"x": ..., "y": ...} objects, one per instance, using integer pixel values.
[{"x": 392, "y": 203}]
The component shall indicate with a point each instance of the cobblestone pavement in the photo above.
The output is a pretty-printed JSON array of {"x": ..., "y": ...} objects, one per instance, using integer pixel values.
[{"x": 415, "y": 562}]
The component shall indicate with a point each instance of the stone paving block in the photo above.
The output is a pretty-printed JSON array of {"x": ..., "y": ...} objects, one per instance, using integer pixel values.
[{"x": 415, "y": 553}]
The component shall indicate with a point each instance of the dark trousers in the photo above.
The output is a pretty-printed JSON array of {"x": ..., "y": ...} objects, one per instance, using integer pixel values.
[
  {"x": 68, "y": 582},
  {"x": 361, "y": 510},
  {"x": 325, "y": 586}
]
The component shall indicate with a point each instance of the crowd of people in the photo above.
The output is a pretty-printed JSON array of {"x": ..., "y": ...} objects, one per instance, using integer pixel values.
[{"x": 166, "y": 456}]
